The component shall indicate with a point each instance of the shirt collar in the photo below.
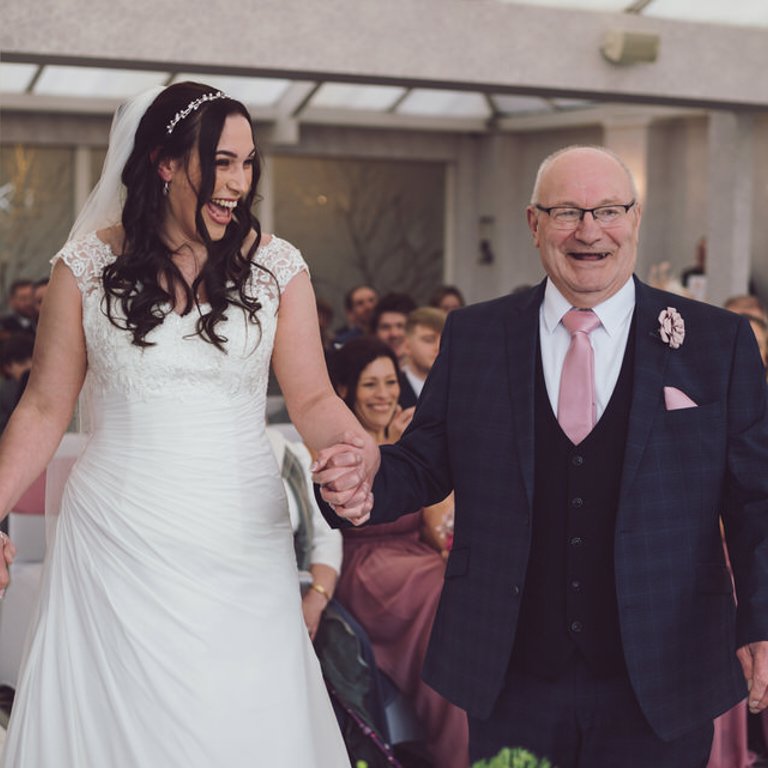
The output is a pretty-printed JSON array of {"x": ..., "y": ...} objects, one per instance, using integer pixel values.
[{"x": 613, "y": 312}]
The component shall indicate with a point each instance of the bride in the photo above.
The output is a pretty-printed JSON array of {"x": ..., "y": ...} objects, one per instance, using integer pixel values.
[{"x": 169, "y": 630}]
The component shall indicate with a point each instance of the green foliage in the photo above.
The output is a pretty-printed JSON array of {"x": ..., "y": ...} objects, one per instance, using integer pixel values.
[
  {"x": 507, "y": 758},
  {"x": 514, "y": 758}
]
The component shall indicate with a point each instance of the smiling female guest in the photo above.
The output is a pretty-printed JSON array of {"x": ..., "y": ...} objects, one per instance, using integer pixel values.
[
  {"x": 392, "y": 578},
  {"x": 170, "y": 629}
]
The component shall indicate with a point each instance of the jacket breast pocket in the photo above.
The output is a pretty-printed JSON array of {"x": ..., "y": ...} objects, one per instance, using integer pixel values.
[
  {"x": 696, "y": 435},
  {"x": 710, "y": 412}
]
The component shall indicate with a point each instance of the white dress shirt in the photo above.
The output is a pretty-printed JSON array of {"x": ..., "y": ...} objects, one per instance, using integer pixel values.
[
  {"x": 609, "y": 340},
  {"x": 416, "y": 383}
]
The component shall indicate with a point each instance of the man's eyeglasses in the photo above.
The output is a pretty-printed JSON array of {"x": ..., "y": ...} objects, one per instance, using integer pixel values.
[{"x": 568, "y": 216}]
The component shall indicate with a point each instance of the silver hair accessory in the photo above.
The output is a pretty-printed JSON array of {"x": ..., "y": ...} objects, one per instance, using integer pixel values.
[{"x": 191, "y": 107}]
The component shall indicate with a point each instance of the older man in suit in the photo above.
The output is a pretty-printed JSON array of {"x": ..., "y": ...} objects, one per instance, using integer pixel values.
[{"x": 596, "y": 431}]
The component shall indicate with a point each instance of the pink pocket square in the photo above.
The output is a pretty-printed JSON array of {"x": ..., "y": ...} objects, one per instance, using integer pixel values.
[{"x": 674, "y": 399}]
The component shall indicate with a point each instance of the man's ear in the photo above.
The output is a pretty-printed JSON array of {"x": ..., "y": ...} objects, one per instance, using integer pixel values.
[{"x": 533, "y": 223}]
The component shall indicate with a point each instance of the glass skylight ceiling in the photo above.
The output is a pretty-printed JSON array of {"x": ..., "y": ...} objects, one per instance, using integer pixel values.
[
  {"x": 303, "y": 100},
  {"x": 433, "y": 102},
  {"x": 253, "y": 91},
  {"x": 744, "y": 12},
  {"x": 261, "y": 92},
  {"x": 95, "y": 81},
  {"x": 347, "y": 96},
  {"x": 15, "y": 78}
]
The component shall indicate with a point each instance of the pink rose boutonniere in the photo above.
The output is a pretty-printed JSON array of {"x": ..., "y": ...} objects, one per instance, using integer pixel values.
[{"x": 671, "y": 327}]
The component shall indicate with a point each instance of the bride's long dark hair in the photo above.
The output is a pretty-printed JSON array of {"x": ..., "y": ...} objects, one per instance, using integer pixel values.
[{"x": 135, "y": 280}]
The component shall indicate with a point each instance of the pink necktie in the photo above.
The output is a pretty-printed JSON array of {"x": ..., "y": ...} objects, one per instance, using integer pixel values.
[{"x": 576, "y": 402}]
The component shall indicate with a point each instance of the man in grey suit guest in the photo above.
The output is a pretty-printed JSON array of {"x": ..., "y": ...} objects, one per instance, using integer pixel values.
[{"x": 596, "y": 432}]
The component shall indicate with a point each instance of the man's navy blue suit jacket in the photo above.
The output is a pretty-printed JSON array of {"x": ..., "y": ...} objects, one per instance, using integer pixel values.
[{"x": 684, "y": 471}]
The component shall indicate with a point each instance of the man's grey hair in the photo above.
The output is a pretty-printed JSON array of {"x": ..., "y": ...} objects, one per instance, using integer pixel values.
[{"x": 547, "y": 162}]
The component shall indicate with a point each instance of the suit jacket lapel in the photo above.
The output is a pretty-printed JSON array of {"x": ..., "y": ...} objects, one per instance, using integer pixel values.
[
  {"x": 651, "y": 358},
  {"x": 521, "y": 332}
]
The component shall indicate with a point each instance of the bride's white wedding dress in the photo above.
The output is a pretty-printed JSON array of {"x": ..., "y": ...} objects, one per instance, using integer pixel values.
[{"x": 169, "y": 631}]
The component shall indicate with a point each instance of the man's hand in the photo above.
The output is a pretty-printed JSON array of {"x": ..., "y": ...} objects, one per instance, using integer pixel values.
[
  {"x": 754, "y": 662},
  {"x": 345, "y": 473},
  {"x": 7, "y": 553}
]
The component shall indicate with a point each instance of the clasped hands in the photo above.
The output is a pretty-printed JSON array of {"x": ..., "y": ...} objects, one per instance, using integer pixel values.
[{"x": 345, "y": 472}]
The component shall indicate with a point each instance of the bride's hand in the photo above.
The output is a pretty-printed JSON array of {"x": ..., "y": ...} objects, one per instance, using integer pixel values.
[
  {"x": 345, "y": 472},
  {"x": 346, "y": 465},
  {"x": 8, "y": 552}
]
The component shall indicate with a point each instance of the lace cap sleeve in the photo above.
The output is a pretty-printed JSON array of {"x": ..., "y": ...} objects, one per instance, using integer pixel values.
[
  {"x": 282, "y": 259},
  {"x": 86, "y": 259}
]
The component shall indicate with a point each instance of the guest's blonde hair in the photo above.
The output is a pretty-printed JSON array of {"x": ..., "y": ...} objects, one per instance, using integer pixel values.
[{"x": 428, "y": 317}]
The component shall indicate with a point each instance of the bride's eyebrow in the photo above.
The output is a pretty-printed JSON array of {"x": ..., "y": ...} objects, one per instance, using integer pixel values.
[{"x": 230, "y": 153}]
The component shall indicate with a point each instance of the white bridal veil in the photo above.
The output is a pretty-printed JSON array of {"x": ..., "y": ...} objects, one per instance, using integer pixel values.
[{"x": 104, "y": 205}]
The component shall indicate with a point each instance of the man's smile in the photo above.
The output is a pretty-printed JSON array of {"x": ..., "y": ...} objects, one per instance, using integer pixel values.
[{"x": 589, "y": 255}]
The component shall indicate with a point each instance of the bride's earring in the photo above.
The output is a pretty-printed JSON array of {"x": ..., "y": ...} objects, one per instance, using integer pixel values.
[{"x": 166, "y": 185}]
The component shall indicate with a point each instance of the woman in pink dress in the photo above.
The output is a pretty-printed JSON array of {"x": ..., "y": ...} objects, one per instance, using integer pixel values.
[{"x": 392, "y": 578}]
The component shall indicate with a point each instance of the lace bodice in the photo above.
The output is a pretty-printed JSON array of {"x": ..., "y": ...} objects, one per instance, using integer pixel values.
[{"x": 180, "y": 363}]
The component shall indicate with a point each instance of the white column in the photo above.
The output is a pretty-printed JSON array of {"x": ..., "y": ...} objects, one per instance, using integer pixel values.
[
  {"x": 729, "y": 236},
  {"x": 82, "y": 179},
  {"x": 265, "y": 210},
  {"x": 628, "y": 138},
  {"x": 449, "y": 228}
]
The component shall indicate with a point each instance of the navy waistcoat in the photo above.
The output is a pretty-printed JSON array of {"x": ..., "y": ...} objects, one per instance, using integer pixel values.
[{"x": 569, "y": 600}]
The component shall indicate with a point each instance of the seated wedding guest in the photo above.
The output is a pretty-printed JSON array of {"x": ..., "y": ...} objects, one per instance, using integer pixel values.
[
  {"x": 423, "y": 329},
  {"x": 359, "y": 303},
  {"x": 748, "y": 305},
  {"x": 694, "y": 278},
  {"x": 39, "y": 289},
  {"x": 730, "y": 738},
  {"x": 21, "y": 301},
  {"x": 324, "y": 320},
  {"x": 317, "y": 545},
  {"x": 392, "y": 579},
  {"x": 15, "y": 365},
  {"x": 447, "y": 298},
  {"x": 348, "y": 665},
  {"x": 388, "y": 322}
]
